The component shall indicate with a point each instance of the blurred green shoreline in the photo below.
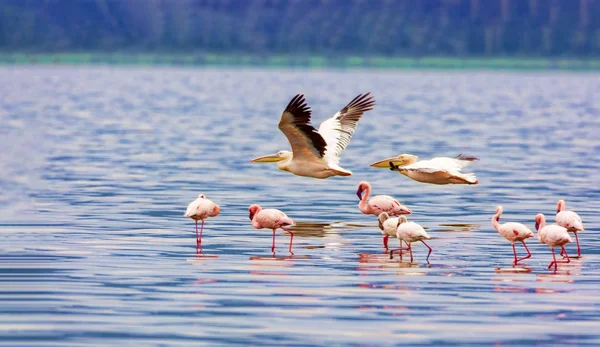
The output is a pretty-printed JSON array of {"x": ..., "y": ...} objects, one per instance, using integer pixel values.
[{"x": 301, "y": 61}]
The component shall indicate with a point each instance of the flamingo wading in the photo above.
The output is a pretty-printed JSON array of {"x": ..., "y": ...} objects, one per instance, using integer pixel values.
[
  {"x": 569, "y": 220},
  {"x": 317, "y": 153},
  {"x": 552, "y": 235},
  {"x": 410, "y": 232},
  {"x": 388, "y": 226},
  {"x": 199, "y": 210},
  {"x": 271, "y": 219},
  {"x": 513, "y": 232},
  {"x": 440, "y": 170}
]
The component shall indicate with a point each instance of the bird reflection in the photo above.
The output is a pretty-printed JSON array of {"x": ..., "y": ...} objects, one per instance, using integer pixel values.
[
  {"x": 458, "y": 227},
  {"x": 319, "y": 229}
]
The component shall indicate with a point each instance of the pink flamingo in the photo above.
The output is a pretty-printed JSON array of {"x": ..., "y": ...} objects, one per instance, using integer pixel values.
[
  {"x": 569, "y": 220},
  {"x": 513, "y": 232},
  {"x": 552, "y": 235},
  {"x": 199, "y": 210},
  {"x": 379, "y": 204},
  {"x": 272, "y": 219}
]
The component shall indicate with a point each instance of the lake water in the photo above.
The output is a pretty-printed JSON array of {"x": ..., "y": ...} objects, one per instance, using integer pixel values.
[{"x": 99, "y": 164}]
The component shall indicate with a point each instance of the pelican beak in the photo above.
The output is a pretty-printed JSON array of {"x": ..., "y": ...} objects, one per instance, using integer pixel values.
[
  {"x": 271, "y": 158},
  {"x": 385, "y": 163}
]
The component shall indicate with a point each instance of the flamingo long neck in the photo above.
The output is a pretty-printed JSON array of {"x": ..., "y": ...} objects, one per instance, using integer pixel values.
[
  {"x": 541, "y": 224},
  {"x": 561, "y": 206},
  {"x": 362, "y": 205},
  {"x": 496, "y": 220}
]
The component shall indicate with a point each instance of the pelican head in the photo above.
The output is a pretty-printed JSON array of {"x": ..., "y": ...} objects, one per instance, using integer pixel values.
[
  {"x": 401, "y": 160},
  {"x": 272, "y": 158}
]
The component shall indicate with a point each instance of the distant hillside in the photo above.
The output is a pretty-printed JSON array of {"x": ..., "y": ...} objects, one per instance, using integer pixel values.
[{"x": 412, "y": 28}]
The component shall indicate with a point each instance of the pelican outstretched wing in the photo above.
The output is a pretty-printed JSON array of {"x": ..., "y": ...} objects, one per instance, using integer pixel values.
[
  {"x": 306, "y": 142},
  {"x": 338, "y": 130}
]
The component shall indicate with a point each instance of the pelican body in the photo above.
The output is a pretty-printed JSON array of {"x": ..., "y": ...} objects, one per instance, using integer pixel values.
[
  {"x": 317, "y": 153},
  {"x": 271, "y": 219},
  {"x": 569, "y": 220},
  {"x": 378, "y": 203},
  {"x": 552, "y": 235},
  {"x": 440, "y": 170},
  {"x": 199, "y": 210},
  {"x": 513, "y": 232},
  {"x": 410, "y": 232}
]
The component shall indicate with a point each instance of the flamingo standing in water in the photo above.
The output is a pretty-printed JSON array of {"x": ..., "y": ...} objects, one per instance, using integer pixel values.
[
  {"x": 272, "y": 219},
  {"x": 199, "y": 210},
  {"x": 513, "y": 232},
  {"x": 379, "y": 204},
  {"x": 569, "y": 220},
  {"x": 388, "y": 226},
  {"x": 552, "y": 235},
  {"x": 410, "y": 232}
]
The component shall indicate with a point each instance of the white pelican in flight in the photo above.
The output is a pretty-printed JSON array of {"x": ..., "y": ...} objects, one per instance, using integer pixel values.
[
  {"x": 317, "y": 153},
  {"x": 440, "y": 170}
]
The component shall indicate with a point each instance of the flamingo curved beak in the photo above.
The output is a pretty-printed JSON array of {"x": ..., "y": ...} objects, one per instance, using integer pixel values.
[
  {"x": 537, "y": 226},
  {"x": 270, "y": 158},
  {"x": 385, "y": 163},
  {"x": 359, "y": 194},
  {"x": 251, "y": 216}
]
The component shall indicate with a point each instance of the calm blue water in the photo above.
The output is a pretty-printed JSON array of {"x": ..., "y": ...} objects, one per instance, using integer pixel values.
[{"x": 99, "y": 164}]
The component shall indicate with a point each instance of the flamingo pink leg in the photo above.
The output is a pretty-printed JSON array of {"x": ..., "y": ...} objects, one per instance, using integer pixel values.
[
  {"x": 525, "y": 257},
  {"x": 399, "y": 249},
  {"x": 196, "y": 234},
  {"x": 515, "y": 253},
  {"x": 410, "y": 249},
  {"x": 578, "y": 249},
  {"x": 291, "y": 239},
  {"x": 385, "y": 241},
  {"x": 273, "y": 245},
  {"x": 553, "y": 262},
  {"x": 428, "y": 254},
  {"x": 566, "y": 255}
]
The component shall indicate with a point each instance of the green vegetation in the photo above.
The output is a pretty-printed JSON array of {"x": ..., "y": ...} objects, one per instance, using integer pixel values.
[{"x": 214, "y": 60}]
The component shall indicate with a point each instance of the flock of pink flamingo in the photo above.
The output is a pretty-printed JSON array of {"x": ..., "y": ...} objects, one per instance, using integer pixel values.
[{"x": 316, "y": 153}]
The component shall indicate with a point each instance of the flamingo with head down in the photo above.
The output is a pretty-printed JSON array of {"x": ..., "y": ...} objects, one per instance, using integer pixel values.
[
  {"x": 552, "y": 235},
  {"x": 271, "y": 218},
  {"x": 199, "y": 210},
  {"x": 379, "y": 204}
]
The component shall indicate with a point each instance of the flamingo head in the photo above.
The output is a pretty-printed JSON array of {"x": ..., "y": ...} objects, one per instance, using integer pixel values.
[
  {"x": 499, "y": 211},
  {"x": 362, "y": 186},
  {"x": 539, "y": 219},
  {"x": 383, "y": 216},
  {"x": 401, "y": 160},
  {"x": 402, "y": 219},
  {"x": 254, "y": 209},
  {"x": 201, "y": 196},
  {"x": 560, "y": 206},
  {"x": 272, "y": 158}
]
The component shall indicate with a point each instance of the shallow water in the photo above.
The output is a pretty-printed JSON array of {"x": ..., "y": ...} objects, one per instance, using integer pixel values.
[{"x": 99, "y": 164}]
